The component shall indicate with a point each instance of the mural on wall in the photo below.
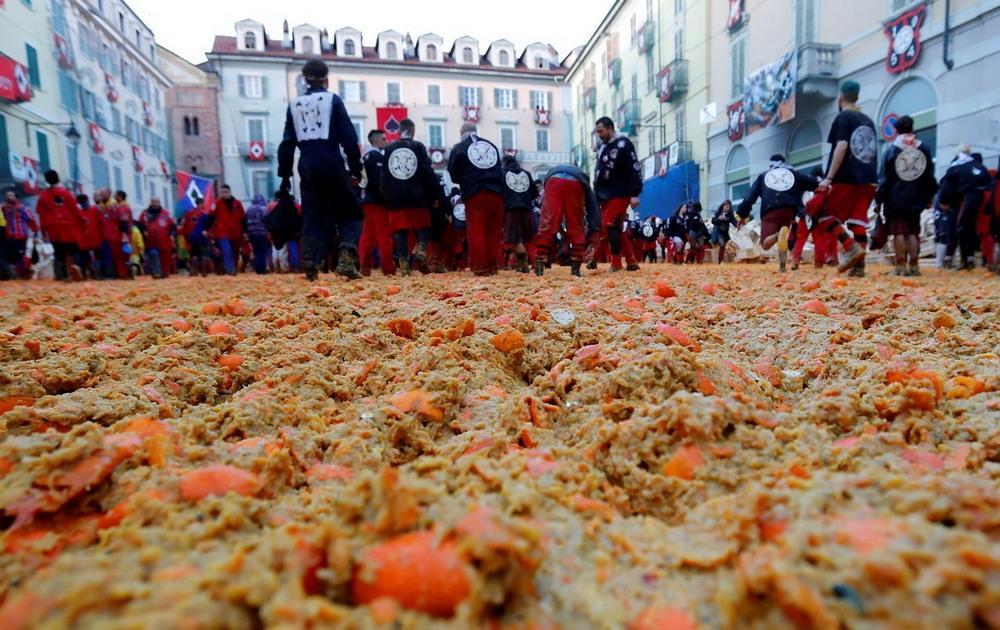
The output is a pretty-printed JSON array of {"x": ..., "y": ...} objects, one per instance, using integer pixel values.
[
  {"x": 904, "y": 39},
  {"x": 769, "y": 94}
]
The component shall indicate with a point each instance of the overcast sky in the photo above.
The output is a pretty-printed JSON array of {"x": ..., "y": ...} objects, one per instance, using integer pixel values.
[{"x": 188, "y": 27}]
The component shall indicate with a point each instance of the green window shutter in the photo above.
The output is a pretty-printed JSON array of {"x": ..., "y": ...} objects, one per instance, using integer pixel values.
[
  {"x": 4, "y": 146},
  {"x": 479, "y": 97},
  {"x": 532, "y": 98},
  {"x": 513, "y": 97},
  {"x": 43, "y": 151},
  {"x": 363, "y": 91},
  {"x": 263, "y": 87},
  {"x": 243, "y": 86},
  {"x": 548, "y": 100},
  {"x": 496, "y": 97},
  {"x": 340, "y": 88},
  {"x": 461, "y": 98},
  {"x": 33, "y": 73}
]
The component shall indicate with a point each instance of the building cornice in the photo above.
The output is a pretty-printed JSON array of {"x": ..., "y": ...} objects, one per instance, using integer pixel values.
[
  {"x": 601, "y": 28},
  {"x": 83, "y": 11}
]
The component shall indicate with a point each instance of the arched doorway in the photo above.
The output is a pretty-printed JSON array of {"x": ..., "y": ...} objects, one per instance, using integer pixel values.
[
  {"x": 805, "y": 150},
  {"x": 916, "y": 98},
  {"x": 737, "y": 174}
]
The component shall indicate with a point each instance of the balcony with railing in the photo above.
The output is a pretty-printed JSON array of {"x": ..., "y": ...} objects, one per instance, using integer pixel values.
[
  {"x": 681, "y": 151},
  {"x": 674, "y": 80},
  {"x": 630, "y": 116},
  {"x": 646, "y": 37},
  {"x": 819, "y": 69},
  {"x": 590, "y": 98},
  {"x": 615, "y": 72}
]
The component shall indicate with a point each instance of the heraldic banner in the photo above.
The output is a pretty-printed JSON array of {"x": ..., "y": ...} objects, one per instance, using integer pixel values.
[
  {"x": 388, "y": 121},
  {"x": 769, "y": 94}
]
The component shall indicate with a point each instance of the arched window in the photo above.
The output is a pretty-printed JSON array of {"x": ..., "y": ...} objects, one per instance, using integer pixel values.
[
  {"x": 195, "y": 131},
  {"x": 432, "y": 52},
  {"x": 738, "y": 174},
  {"x": 806, "y": 148},
  {"x": 250, "y": 40},
  {"x": 504, "y": 58},
  {"x": 308, "y": 46},
  {"x": 540, "y": 62},
  {"x": 391, "y": 51},
  {"x": 467, "y": 55},
  {"x": 349, "y": 48},
  {"x": 187, "y": 126},
  {"x": 915, "y": 98}
]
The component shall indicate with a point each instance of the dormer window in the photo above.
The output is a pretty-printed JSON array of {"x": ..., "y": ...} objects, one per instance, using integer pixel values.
[
  {"x": 250, "y": 40},
  {"x": 432, "y": 52},
  {"x": 466, "y": 55},
  {"x": 504, "y": 58},
  {"x": 349, "y": 48},
  {"x": 308, "y": 46},
  {"x": 391, "y": 51},
  {"x": 541, "y": 63}
]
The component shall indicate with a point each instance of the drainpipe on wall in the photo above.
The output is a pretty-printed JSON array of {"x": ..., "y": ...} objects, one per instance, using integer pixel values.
[{"x": 948, "y": 61}]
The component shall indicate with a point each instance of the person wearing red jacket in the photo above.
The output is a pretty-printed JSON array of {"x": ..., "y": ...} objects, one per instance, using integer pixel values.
[
  {"x": 985, "y": 227},
  {"x": 228, "y": 228},
  {"x": 160, "y": 230},
  {"x": 90, "y": 242},
  {"x": 62, "y": 226},
  {"x": 114, "y": 262},
  {"x": 617, "y": 184},
  {"x": 197, "y": 237}
]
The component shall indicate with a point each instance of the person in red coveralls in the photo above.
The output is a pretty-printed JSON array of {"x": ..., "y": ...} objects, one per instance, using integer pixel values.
[
  {"x": 113, "y": 258},
  {"x": 62, "y": 226},
  {"x": 160, "y": 230},
  {"x": 474, "y": 164},
  {"x": 617, "y": 184},
  {"x": 375, "y": 233},
  {"x": 90, "y": 242},
  {"x": 228, "y": 228},
  {"x": 125, "y": 220},
  {"x": 568, "y": 199}
]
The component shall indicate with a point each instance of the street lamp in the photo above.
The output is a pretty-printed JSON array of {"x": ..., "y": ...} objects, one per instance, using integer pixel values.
[{"x": 73, "y": 138}]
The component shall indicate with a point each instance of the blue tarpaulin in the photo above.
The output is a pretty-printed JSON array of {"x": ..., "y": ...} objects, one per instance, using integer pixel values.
[{"x": 661, "y": 195}]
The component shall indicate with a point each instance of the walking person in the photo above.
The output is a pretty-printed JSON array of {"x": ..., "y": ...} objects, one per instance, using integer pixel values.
[
  {"x": 260, "y": 239},
  {"x": 62, "y": 226},
  {"x": 317, "y": 124},
  {"x": 375, "y": 234},
  {"x": 159, "y": 233},
  {"x": 570, "y": 201},
  {"x": 963, "y": 188},
  {"x": 617, "y": 184},
  {"x": 518, "y": 198},
  {"x": 20, "y": 224},
  {"x": 723, "y": 219},
  {"x": 90, "y": 239},
  {"x": 228, "y": 228}
]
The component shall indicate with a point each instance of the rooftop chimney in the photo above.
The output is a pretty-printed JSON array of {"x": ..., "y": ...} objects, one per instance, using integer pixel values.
[
  {"x": 286, "y": 39},
  {"x": 324, "y": 41}
]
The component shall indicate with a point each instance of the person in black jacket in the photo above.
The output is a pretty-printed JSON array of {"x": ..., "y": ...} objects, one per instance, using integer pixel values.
[
  {"x": 907, "y": 188},
  {"x": 698, "y": 235},
  {"x": 518, "y": 199},
  {"x": 617, "y": 183},
  {"x": 474, "y": 164},
  {"x": 780, "y": 190},
  {"x": 318, "y": 125},
  {"x": 676, "y": 233},
  {"x": 376, "y": 232},
  {"x": 963, "y": 188},
  {"x": 409, "y": 188},
  {"x": 648, "y": 231},
  {"x": 723, "y": 219},
  {"x": 568, "y": 199}
]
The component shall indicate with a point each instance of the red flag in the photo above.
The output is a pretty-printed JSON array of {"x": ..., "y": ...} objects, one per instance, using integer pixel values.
[
  {"x": 14, "y": 83},
  {"x": 257, "y": 153},
  {"x": 30, "y": 185},
  {"x": 388, "y": 121}
]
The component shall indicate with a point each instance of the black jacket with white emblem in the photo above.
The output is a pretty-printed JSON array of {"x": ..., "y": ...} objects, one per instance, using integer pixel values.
[
  {"x": 408, "y": 178},
  {"x": 619, "y": 173},
  {"x": 780, "y": 187},
  {"x": 519, "y": 188},
  {"x": 474, "y": 164}
]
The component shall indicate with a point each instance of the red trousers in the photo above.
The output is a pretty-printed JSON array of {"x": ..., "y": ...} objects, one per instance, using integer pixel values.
[
  {"x": 849, "y": 204},
  {"x": 612, "y": 217},
  {"x": 563, "y": 200},
  {"x": 376, "y": 233},
  {"x": 484, "y": 227},
  {"x": 824, "y": 245}
]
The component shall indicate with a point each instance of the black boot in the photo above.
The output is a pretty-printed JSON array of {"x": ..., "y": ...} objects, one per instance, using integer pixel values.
[
  {"x": 312, "y": 274},
  {"x": 522, "y": 263},
  {"x": 347, "y": 264},
  {"x": 539, "y": 267},
  {"x": 574, "y": 269}
]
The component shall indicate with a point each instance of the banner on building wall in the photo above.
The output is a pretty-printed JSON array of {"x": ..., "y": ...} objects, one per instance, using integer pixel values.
[
  {"x": 437, "y": 155},
  {"x": 388, "y": 119},
  {"x": 190, "y": 188},
  {"x": 29, "y": 177},
  {"x": 542, "y": 117},
  {"x": 110, "y": 89},
  {"x": 769, "y": 94},
  {"x": 164, "y": 168},
  {"x": 15, "y": 86},
  {"x": 137, "y": 159},
  {"x": 95, "y": 138},
  {"x": 736, "y": 14},
  {"x": 665, "y": 89},
  {"x": 62, "y": 50},
  {"x": 471, "y": 113},
  {"x": 257, "y": 153},
  {"x": 734, "y": 114},
  {"x": 904, "y": 39},
  {"x": 147, "y": 113}
]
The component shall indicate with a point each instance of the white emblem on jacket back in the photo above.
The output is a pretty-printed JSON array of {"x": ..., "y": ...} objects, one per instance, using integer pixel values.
[
  {"x": 518, "y": 182},
  {"x": 311, "y": 116},
  {"x": 910, "y": 164},
  {"x": 402, "y": 164},
  {"x": 779, "y": 179},
  {"x": 482, "y": 154},
  {"x": 863, "y": 144}
]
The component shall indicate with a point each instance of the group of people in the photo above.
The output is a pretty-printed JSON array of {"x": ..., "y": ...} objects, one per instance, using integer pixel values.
[{"x": 389, "y": 209}]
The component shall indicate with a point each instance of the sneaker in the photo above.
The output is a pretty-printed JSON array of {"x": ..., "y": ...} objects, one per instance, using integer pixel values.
[
  {"x": 857, "y": 272},
  {"x": 404, "y": 267},
  {"x": 522, "y": 264},
  {"x": 75, "y": 275},
  {"x": 782, "y": 268},
  {"x": 616, "y": 269},
  {"x": 347, "y": 264},
  {"x": 854, "y": 257},
  {"x": 783, "y": 239},
  {"x": 312, "y": 274},
  {"x": 914, "y": 271},
  {"x": 420, "y": 257},
  {"x": 592, "y": 265},
  {"x": 795, "y": 264},
  {"x": 574, "y": 270},
  {"x": 632, "y": 267},
  {"x": 901, "y": 270},
  {"x": 539, "y": 267}
]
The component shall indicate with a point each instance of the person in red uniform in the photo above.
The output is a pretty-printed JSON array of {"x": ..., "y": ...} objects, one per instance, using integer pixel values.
[
  {"x": 160, "y": 230},
  {"x": 90, "y": 241},
  {"x": 409, "y": 189},
  {"x": 569, "y": 200},
  {"x": 617, "y": 185},
  {"x": 474, "y": 164},
  {"x": 126, "y": 220},
  {"x": 851, "y": 177},
  {"x": 519, "y": 222},
  {"x": 20, "y": 223},
  {"x": 195, "y": 226},
  {"x": 62, "y": 226},
  {"x": 375, "y": 232},
  {"x": 114, "y": 262},
  {"x": 992, "y": 209},
  {"x": 228, "y": 228}
]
